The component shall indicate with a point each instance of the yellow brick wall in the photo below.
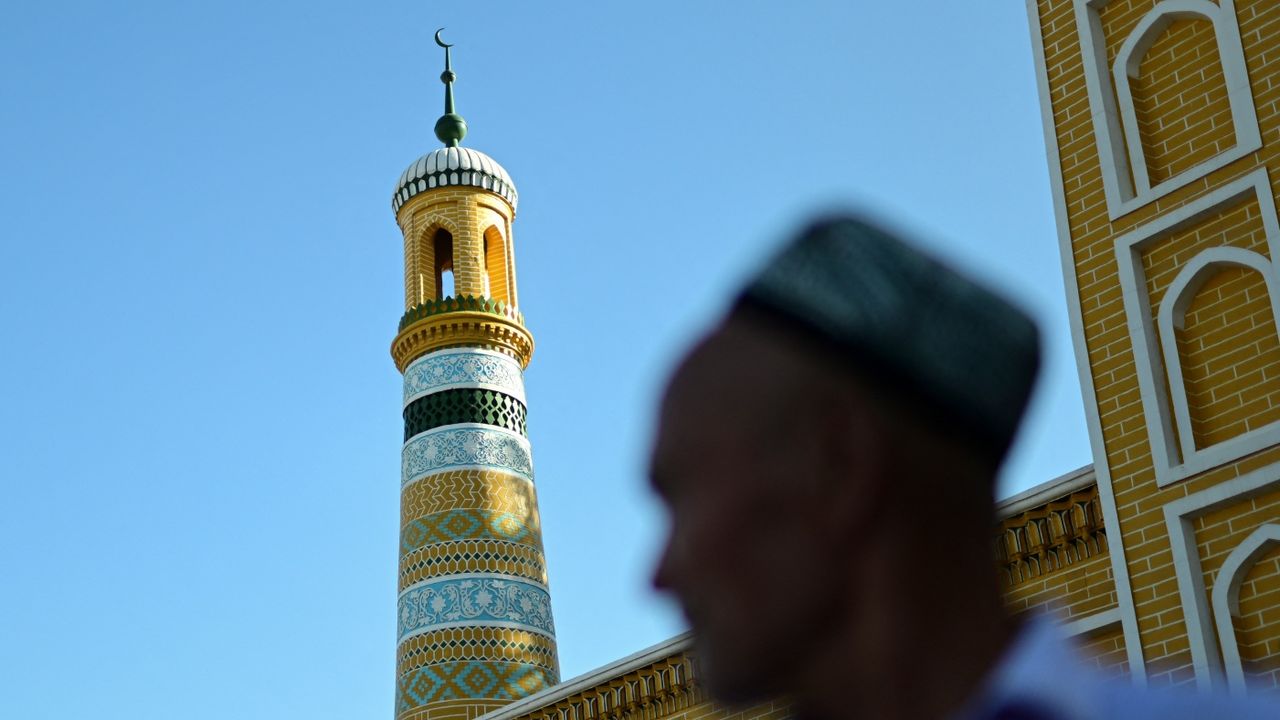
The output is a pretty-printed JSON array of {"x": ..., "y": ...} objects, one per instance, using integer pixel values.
[
  {"x": 1180, "y": 99},
  {"x": 667, "y": 688},
  {"x": 1062, "y": 569},
  {"x": 1230, "y": 355},
  {"x": 467, "y": 213},
  {"x": 710, "y": 710},
  {"x": 1105, "y": 650},
  {"x": 1213, "y": 343},
  {"x": 1177, "y": 134},
  {"x": 1259, "y": 613},
  {"x": 1079, "y": 590},
  {"x": 1221, "y": 532}
]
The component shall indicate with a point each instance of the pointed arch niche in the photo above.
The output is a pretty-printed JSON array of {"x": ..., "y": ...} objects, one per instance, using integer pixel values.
[
  {"x": 1226, "y": 597},
  {"x": 1192, "y": 340},
  {"x": 1233, "y": 292},
  {"x": 1128, "y": 101}
]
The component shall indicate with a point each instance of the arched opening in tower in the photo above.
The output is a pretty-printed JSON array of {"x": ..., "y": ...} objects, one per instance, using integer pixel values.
[
  {"x": 495, "y": 265},
  {"x": 443, "y": 253}
]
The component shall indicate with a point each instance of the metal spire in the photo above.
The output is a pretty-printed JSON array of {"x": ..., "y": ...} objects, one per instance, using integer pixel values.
[{"x": 450, "y": 128}]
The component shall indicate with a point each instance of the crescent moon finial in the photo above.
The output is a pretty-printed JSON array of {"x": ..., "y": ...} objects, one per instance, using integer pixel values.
[{"x": 450, "y": 128}]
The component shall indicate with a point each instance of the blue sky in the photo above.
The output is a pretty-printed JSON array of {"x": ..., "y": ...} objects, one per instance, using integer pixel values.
[{"x": 200, "y": 276}]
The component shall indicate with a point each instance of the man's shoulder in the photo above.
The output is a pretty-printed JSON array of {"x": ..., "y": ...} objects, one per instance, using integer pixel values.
[
  {"x": 1045, "y": 668},
  {"x": 1122, "y": 700}
]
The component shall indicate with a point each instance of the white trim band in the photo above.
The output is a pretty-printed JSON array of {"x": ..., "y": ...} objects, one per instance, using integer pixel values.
[
  {"x": 465, "y": 446},
  {"x": 461, "y": 369}
]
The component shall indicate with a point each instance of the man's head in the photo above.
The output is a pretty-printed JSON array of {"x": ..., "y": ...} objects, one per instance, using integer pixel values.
[{"x": 791, "y": 461}]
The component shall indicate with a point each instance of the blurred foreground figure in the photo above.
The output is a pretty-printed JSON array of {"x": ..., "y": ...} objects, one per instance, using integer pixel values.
[{"x": 828, "y": 455}]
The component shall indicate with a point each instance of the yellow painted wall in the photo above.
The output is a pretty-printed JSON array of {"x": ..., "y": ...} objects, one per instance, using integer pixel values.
[{"x": 1229, "y": 349}]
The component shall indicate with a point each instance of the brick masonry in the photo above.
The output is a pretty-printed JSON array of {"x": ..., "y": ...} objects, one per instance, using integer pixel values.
[
  {"x": 480, "y": 222},
  {"x": 1229, "y": 350}
]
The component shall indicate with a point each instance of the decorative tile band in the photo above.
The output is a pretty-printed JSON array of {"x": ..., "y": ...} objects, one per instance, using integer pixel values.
[
  {"x": 463, "y": 368},
  {"x": 473, "y": 556},
  {"x": 468, "y": 600},
  {"x": 463, "y": 447},
  {"x": 478, "y": 489},
  {"x": 466, "y": 525},
  {"x": 456, "y": 680},
  {"x": 464, "y": 406},
  {"x": 494, "y": 644}
]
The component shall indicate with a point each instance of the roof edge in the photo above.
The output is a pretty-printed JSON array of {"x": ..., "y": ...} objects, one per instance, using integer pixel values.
[
  {"x": 1046, "y": 492},
  {"x": 593, "y": 678}
]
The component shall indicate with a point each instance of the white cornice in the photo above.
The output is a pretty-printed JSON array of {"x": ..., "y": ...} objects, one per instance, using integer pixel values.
[
  {"x": 593, "y": 678},
  {"x": 1046, "y": 492}
]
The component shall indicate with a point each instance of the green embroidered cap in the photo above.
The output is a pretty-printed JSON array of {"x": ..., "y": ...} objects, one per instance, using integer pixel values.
[{"x": 901, "y": 317}]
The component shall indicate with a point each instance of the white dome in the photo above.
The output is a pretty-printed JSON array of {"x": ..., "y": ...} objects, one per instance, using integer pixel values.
[{"x": 453, "y": 166}]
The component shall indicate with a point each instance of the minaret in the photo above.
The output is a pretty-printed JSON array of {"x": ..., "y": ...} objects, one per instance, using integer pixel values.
[{"x": 474, "y": 628}]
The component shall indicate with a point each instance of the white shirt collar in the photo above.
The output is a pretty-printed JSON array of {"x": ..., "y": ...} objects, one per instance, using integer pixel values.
[{"x": 1041, "y": 666}]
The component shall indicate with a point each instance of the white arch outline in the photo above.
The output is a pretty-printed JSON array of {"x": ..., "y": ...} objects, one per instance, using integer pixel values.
[
  {"x": 1134, "y": 49},
  {"x": 1127, "y": 183},
  {"x": 1226, "y": 598},
  {"x": 1173, "y": 311},
  {"x": 1171, "y": 465}
]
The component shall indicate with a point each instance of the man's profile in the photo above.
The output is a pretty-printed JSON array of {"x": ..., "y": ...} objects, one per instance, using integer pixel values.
[{"x": 828, "y": 455}]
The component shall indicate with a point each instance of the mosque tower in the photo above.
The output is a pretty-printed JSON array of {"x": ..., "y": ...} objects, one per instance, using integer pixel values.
[{"x": 474, "y": 629}]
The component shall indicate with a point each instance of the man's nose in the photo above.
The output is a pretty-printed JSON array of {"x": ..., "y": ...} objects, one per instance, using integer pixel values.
[{"x": 663, "y": 572}]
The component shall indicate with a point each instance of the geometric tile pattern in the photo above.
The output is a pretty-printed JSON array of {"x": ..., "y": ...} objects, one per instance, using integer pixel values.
[
  {"x": 464, "y": 405},
  {"x": 470, "y": 679},
  {"x": 464, "y": 367},
  {"x": 473, "y": 600},
  {"x": 479, "y": 489},
  {"x": 483, "y": 643},
  {"x": 472, "y": 556},
  {"x": 456, "y": 525},
  {"x": 456, "y": 447}
]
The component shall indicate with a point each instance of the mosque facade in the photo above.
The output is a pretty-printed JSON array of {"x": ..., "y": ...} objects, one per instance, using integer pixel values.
[
  {"x": 1161, "y": 124},
  {"x": 1162, "y": 557}
]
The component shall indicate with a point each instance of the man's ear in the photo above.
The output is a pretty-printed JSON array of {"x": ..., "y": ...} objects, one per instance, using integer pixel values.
[{"x": 857, "y": 451}]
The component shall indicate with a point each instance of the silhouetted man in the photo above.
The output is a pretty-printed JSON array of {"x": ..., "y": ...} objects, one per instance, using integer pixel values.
[{"x": 828, "y": 455}]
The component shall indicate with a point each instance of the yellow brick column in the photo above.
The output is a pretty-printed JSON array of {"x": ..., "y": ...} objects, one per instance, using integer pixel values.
[{"x": 1165, "y": 189}]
